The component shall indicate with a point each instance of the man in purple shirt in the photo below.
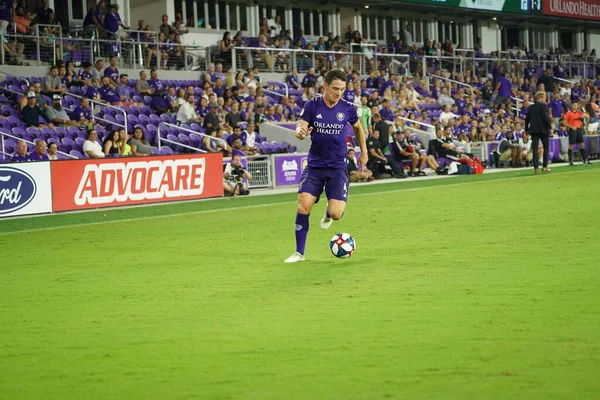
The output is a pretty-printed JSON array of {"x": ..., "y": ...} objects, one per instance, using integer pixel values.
[
  {"x": 156, "y": 83},
  {"x": 310, "y": 76},
  {"x": 349, "y": 93},
  {"x": 21, "y": 154},
  {"x": 504, "y": 90},
  {"x": 386, "y": 112},
  {"x": 83, "y": 113},
  {"x": 556, "y": 108},
  {"x": 107, "y": 92},
  {"x": 293, "y": 80},
  {"x": 40, "y": 152},
  {"x": 387, "y": 84},
  {"x": 112, "y": 72},
  {"x": 325, "y": 119},
  {"x": 560, "y": 71},
  {"x": 91, "y": 91}
]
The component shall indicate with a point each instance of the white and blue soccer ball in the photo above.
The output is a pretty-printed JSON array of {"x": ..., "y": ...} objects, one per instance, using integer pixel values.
[{"x": 342, "y": 245}]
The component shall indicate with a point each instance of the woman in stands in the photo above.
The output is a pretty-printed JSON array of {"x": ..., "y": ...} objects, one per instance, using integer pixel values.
[
  {"x": 52, "y": 151},
  {"x": 124, "y": 147},
  {"x": 91, "y": 148},
  {"x": 225, "y": 48},
  {"x": 111, "y": 144},
  {"x": 248, "y": 113},
  {"x": 593, "y": 122},
  {"x": 239, "y": 82},
  {"x": 139, "y": 145}
]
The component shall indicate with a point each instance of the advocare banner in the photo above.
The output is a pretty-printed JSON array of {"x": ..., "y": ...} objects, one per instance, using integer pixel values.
[{"x": 82, "y": 184}]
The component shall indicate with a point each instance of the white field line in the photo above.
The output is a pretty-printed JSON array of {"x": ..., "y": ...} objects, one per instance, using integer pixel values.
[{"x": 52, "y": 228}]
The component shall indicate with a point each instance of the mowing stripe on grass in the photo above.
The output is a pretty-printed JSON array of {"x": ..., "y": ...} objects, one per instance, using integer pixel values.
[{"x": 246, "y": 207}]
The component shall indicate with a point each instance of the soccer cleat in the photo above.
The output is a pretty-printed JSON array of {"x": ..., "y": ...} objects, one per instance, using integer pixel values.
[
  {"x": 296, "y": 257},
  {"x": 326, "y": 222}
]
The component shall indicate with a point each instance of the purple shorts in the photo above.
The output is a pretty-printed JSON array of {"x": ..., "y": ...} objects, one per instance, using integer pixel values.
[{"x": 334, "y": 180}]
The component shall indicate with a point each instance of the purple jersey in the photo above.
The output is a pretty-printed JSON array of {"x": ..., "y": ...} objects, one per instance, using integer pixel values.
[
  {"x": 36, "y": 157},
  {"x": 349, "y": 95},
  {"x": 328, "y": 148},
  {"x": 112, "y": 73},
  {"x": 556, "y": 108}
]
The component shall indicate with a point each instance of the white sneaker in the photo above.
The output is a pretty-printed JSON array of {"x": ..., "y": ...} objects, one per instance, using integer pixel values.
[
  {"x": 326, "y": 222},
  {"x": 296, "y": 257}
]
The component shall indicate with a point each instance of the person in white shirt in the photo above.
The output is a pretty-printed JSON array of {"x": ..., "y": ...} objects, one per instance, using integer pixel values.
[
  {"x": 447, "y": 115},
  {"x": 526, "y": 154},
  {"x": 91, "y": 148},
  {"x": 444, "y": 98},
  {"x": 250, "y": 135},
  {"x": 565, "y": 90},
  {"x": 187, "y": 111},
  {"x": 408, "y": 37},
  {"x": 275, "y": 26}
]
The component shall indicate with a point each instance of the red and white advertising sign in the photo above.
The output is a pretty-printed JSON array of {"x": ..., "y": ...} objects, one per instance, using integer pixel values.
[
  {"x": 84, "y": 184},
  {"x": 583, "y": 9}
]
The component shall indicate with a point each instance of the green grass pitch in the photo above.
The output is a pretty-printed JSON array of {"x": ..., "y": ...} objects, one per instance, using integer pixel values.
[{"x": 479, "y": 287}]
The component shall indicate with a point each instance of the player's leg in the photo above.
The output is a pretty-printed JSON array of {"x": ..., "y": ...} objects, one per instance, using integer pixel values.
[
  {"x": 535, "y": 141},
  {"x": 336, "y": 189},
  {"x": 572, "y": 141},
  {"x": 311, "y": 187},
  {"x": 422, "y": 161}
]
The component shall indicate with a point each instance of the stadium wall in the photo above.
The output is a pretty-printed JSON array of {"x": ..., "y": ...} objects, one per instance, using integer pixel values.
[{"x": 284, "y": 133}]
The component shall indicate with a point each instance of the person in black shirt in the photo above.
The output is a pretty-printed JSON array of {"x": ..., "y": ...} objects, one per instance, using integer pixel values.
[
  {"x": 548, "y": 81},
  {"x": 404, "y": 149},
  {"x": 373, "y": 101},
  {"x": 234, "y": 117},
  {"x": 377, "y": 160},
  {"x": 444, "y": 146},
  {"x": 31, "y": 113},
  {"x": 353, "y": 172},
  {"x": 211, "y": 121},
  {"x": 259, "y": 116},
  {"x": 384, "y": 130}
]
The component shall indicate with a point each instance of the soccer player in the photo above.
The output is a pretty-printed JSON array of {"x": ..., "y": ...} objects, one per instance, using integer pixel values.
[{"x": 324, "y": 119}]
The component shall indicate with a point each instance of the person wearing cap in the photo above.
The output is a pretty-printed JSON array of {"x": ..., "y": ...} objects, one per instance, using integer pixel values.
[
  {"x": 58, "y": 115},
  {"x": 211, "y": 121},
  {"x": 31, "y": 113}
]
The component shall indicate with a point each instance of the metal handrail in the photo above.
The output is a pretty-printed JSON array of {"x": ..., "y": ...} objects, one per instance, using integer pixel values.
[
  {"x": 287, "y": 93},
  {"x": 452, "y": 80},
  {"x": 159, "y": 138},
  {"x": 566, "y": 80},
  {"x": 15, "y": 76},
  {"x": 2, "y": 134},
  {"x": 100, "y": 104}
]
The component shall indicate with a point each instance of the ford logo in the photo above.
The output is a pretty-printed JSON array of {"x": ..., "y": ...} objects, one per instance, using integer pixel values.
[{"x": 17, "y": 189}]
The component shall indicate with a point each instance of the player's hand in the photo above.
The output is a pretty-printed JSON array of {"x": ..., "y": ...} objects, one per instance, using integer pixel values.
[
  {"x": 302, "y": 132},
  {"x": 362, "y": 160}
]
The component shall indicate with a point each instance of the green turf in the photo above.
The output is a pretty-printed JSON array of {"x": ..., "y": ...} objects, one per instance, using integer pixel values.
[{"x": 478, "y": 291}]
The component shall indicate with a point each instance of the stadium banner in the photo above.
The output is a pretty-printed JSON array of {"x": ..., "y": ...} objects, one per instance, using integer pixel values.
[
  {"x": 582, "y": 9},
  {"x": 288, "y": 168},
  {"x": 82, "y": 184},
  {"x": 511, "y": 6},
  {"x": 25, "y": 189}
]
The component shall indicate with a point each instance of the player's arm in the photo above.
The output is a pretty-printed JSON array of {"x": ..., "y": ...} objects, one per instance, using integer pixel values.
[
  {"x": 302, "y": 129},
  {"x": 359, "y": 133}
]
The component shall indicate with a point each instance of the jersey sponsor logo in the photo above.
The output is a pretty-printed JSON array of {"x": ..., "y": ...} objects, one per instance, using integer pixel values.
[
  {"x": 17, "y": 189},
  {"x": 328, "y": 129},
  {"x": 109, "y": 182}
]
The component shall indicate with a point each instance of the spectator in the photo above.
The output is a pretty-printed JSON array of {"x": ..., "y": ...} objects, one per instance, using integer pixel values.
[
  {"x": 525, "y": 151},
  {"x": 42, "y": 12},
  {"x": 211, "y": 121},
  {"x": 52, "y": 83},
  {"x": 401, "y": 152},
  {"x": 233, "y": 178},
  {"x": 353, "y": 172},
  {"x": 85, "y": 72},
  {"x": 91, "y": 148},
  {"x": 384, "y": 129},
  {"x": 233, "y": 118},
  {"x": 259, "y": 116},
  {"x": 58, "y": 115},
  {"x": 82, "y": 114},
  {"x": 93, "y": 22},
  {"x": 142, "y": 86},
  {"x": 309, "y": 77},
  {"x": 21, "y": 154},
  {"x": 53, "y": 151},
  {"x": 170, "y": 97},
  {"x": 107, "y": 92},
  {"x": 548, "y": 81},
  {"x": 124, "y": 147},
  {"x": 444, "y": 98},
  {"x": 123, "y": 91},
  {"x": 293, "y": 79},
  {"x": 165, "y": 28},
  {"x": 40, "y": 152},
  {"x": 155, "y": 83},
  {"x": 111, "y": 143},
  {"x": 180, "y": 28},
  {"x": 98, "y": 70},
  {"x": 174, "y": 51},
  {"x": 446, "y": 116},
  {"x": 113, "y": 25},
  {"x": 160, "y": 103},
  {"x": 275, "y": 26},
  {"x": 180, "y": 99},
  {"x": 31, "y": 112},
  {"x": 91, "y": 91},
  {"x": 112, "y": 72},
  {"x": 187, "y": 112},
  {"x": 377, "y": 160},
  {"x": 6, "y": 16},
  {"x": 508, "y": 149},
  {"x": 444, "y": 147},
  {"x": 556, "y": 108},
  {"x": 139, "y": 145}
]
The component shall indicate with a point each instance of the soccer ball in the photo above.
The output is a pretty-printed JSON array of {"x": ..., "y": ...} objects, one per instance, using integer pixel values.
[{"x": 342, "y": 245}]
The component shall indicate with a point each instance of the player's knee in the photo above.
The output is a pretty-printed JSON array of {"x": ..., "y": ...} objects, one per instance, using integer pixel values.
[
  {"x": 336, "y": 214},
  {"x": 304, "y": 208}
]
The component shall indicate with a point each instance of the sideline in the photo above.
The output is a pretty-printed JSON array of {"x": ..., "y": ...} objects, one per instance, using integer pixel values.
[{"x": 145, "y": 218}]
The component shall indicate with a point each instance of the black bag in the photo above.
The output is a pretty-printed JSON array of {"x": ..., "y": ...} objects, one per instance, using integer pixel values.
[{"x": 464, "y": 169}]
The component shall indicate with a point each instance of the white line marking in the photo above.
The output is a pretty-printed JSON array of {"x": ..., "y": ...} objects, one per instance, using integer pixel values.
[{"x": 52, "y": 228}]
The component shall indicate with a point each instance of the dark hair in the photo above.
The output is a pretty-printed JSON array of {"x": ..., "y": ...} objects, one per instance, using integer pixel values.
[
  {"x": 89, "y": 132},
  {"x": 110, "y": 136},
  {"x": 335, "y": 74},
  {"x": 54, "y": 67}
]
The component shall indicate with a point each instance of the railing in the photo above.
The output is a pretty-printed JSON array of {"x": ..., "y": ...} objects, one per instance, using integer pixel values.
[
  {"x": 132, "y": 51},
  {"x": 2, "y": 134},
  {"x": 102, "y": 104},
  {"x": 452, "y": 81},
  {"x": 273, "y": 83},
  {"x": 160, "y": 139},
  {"x": 16, "y": 77}
]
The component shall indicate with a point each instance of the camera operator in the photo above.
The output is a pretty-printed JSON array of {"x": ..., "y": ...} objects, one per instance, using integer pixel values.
[{"x": 233, "y": 176}]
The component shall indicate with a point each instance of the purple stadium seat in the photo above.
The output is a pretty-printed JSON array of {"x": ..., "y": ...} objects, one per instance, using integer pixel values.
[
  {"x": 76, "y": 154},
  {"x": 10, "y": 146},
  {"x": 155, "y": 119},
  {"x": 165, "y": 150},
  {"x": 20, "y": 132},
  {"x": 79, "y": 141},
  {"x": 60, "y": 131},
  {"x": 14, "y": 121}
]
